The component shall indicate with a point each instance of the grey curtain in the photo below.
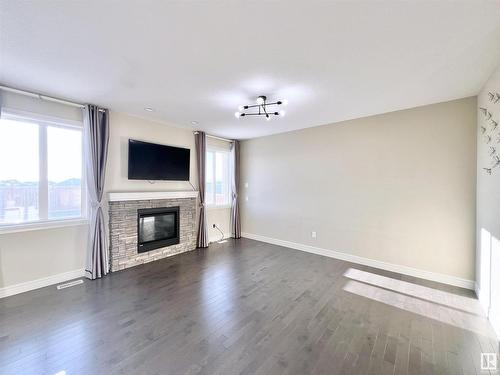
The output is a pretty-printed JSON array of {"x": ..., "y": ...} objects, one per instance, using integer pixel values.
[
  {"x": 96, "y": 129},
  {"x": 235, "y": 207},
  {"x": 201, "y": 149}
]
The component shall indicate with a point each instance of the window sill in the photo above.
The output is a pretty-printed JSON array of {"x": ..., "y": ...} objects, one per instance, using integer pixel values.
[
  {"x": 40, "y": 225},
  {"x": 225, "y": 207}
]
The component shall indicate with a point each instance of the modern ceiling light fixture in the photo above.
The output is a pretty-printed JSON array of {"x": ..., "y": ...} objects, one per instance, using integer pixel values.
[{"x": 264, "y": 108}]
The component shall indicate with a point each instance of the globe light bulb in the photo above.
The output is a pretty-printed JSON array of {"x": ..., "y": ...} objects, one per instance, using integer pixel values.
[
  {"x": 237, "y": 114},
  {"x": 282, "y": 113},
  {"x": 241, "y": 108},
  {"x": 260, "y": 100},
  {"x": 285, "y": 102}
]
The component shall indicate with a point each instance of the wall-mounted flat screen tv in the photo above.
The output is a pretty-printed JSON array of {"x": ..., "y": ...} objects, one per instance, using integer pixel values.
[{"x": 151, "y": 161}]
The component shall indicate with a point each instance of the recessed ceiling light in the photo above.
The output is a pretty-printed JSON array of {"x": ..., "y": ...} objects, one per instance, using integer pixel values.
[
  {"x": 149, "y": 109},
  {"x": 194, "y": 122}
]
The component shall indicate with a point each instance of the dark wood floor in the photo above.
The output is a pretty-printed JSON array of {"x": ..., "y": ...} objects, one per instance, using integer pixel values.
[{"x": 245, "y": 307}]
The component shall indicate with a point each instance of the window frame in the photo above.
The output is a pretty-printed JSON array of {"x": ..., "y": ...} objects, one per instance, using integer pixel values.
[
  {"x": 214, "y": 206},
  {"x": 44, "y": 222}
]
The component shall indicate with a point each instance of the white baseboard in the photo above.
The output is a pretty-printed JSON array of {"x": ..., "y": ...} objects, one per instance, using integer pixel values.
[
  {"x": 495, "y": 323},
  {"x": 422, "y": 274},
  {"x": 494, "y": 320},
  {"x": 483, "y": 300},
  {"x": 40, "y": 283}
]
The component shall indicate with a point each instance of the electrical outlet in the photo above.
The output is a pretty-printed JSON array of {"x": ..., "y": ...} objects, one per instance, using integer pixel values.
[{"x": 313, "y": 234}]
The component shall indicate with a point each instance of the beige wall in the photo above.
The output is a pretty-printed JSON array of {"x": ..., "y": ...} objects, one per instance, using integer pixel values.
[
  {"x": 37, "y": 254},
  {"x": 123, "y": 127},
  {"x": 397, "y": 187},
  {"x": 222, "y": 218},
  {"x": 488, "y": 204},
  {"x": 385, "y": 180},
  {"x": 32, "y": 255},
  {"x": 28, "y": 256}
]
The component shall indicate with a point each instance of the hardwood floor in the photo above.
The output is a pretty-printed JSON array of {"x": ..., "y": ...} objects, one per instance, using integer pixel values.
[{"x": 245, "y": 307}]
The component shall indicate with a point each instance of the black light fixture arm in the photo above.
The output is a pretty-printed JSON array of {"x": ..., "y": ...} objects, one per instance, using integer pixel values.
[
  {"x": 259, "y": 114},
  {"x": 262, "y": 107}
]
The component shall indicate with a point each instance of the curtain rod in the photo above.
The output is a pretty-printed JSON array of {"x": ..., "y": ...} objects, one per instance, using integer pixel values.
[
  {"x": 44, "y": 97},
  {"x": 215, "y": 137},
  {"x": 40, "y": 96}
]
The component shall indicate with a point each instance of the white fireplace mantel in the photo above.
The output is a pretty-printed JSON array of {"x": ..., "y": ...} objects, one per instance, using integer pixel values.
[{"x": 149, "y": 195}]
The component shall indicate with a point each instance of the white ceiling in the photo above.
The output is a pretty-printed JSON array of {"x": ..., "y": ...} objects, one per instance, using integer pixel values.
[{"x": 199, "y": 60}]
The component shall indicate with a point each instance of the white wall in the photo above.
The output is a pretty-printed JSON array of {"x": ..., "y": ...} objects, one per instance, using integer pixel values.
[
  {"x": 397, "y": 187},
  {"x": 488, "y": 204}
]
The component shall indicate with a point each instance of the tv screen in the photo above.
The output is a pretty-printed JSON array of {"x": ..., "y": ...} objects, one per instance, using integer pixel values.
[{"x": 150, "y": 161}]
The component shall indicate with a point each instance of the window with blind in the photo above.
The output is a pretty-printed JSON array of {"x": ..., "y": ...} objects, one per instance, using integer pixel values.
[
  {"x": 217, "y": 185},
  {"x": 41, "y": 170}
]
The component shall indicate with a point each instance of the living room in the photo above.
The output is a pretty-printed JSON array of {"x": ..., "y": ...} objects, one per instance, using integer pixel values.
[{"x": 255, "y": 188}]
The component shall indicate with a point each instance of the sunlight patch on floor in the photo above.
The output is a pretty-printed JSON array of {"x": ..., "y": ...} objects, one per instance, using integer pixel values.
[
  {"x": 428, "y": 309},
  {"x": 455, "y": 301}
]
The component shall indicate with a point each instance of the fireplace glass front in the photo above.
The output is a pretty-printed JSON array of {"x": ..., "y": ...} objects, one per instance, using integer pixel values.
[{"x": 157, "y": 227}]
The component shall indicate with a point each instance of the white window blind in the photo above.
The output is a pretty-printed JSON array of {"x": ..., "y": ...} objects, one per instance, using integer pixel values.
[
  {"x": 41, "y": 169},
  {"x": 218, "y": 186}
]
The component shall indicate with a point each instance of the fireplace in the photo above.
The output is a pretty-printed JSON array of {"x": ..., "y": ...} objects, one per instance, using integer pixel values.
[
  {"x": 157, "y": 227},
  {"x": 124, "y": 226}
]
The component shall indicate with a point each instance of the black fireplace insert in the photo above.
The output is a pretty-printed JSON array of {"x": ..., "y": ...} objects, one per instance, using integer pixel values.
[{"x": 157, "y": 227}]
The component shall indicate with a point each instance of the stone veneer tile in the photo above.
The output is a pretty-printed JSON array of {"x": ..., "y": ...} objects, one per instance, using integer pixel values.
[{"x": 123, "y": 231}]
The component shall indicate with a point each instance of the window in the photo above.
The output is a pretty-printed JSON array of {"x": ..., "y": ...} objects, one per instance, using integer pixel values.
[
  {"x": 41, "y": 167},
  {"x": 217, "y": 187}
]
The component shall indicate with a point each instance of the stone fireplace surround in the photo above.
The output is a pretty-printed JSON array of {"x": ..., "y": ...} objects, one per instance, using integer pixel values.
[{"x": 123, "y": 225}]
